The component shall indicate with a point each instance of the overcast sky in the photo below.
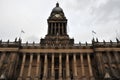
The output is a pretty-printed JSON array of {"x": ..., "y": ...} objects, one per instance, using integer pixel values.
[{"x": 102, "y": 16}]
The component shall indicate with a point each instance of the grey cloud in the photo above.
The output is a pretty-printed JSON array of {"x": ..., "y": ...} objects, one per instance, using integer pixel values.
[{"x": 107, "y": 12}]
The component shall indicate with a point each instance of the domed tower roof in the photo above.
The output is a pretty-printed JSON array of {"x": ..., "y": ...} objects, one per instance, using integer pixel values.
[
  {"x": 57, "y": 8},
  {"x": 57, "y": 13}
]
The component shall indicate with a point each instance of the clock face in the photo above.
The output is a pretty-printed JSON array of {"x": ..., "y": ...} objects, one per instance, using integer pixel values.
[{"x": 57, "y": 15}]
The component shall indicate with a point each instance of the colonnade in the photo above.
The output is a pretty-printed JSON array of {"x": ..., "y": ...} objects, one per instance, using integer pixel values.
[
  {"x": 62, "y": 57},
  {"x": 57, "y": 28},
  {"x": 67, "y": 59}
]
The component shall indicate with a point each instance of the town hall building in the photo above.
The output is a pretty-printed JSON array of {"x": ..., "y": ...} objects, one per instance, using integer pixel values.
[{"x": 57, "y": 57}]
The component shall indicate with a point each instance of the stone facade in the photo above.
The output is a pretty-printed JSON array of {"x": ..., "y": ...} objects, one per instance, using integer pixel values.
[{"x": 56, "y": 57}]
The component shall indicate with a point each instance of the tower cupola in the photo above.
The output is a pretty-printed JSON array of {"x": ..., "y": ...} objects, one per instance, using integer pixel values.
[{"x": 57, "y": 28}]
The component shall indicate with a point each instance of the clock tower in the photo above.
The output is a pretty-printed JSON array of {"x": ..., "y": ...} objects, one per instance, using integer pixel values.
[{"x": 57, "y": 29}]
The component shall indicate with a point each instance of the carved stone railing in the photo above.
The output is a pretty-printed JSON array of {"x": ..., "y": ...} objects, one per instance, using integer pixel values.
[
  {"x": 106, "y": 44},
  {"x": 9, "y": 44},
  {"x": 94, "y": 44},
  {"x": 38, "y": 45}
]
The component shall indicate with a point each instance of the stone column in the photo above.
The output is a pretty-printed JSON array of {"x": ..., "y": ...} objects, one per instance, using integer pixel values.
[
  {"x": 74, "y": 67},
  {"x": 22, "y": 67},
  {"x": 38, "y": 70},
  {"x": 30, "y": 67},
  {"x": 51, "y": 28},
  {"x": 82, "y": 66},
  {"x": 117, "y": 59},
  {"x": 60, "y": 66},
  {"x": 62, "y": 28},
  {"x": 109, "y": 59},
  {"x": 59, "y": 28},
  {"x": 98, "y": 58},
  {"x": 48, "y": 28},
  {"x": 90, "y": 67},
  {"x": 45, "y": 68},
  {"x": 2, "y": 59},
  {"x": 65, "y": 28},
  {"x": 55, "y": 27},
  {"x": 11, "y": 67},
  {"x": 52, "y": 69},
  {"x": 67, "y": 68}
]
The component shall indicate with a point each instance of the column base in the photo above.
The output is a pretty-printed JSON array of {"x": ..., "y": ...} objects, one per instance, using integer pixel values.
[
  {"x": 75, "y": 78},
  {"x": 92, "y": 78},
  {"x": 28, "y": 78},
  {"x": 52, "y": 78},
  {"x": 20, "y": 78},
  {"x": 37, "y": 78},
  {"x": 44, "y": 78},
  {"x": 67, "y": 78},
  {"x": 60, "y": 78},
  {"x": 83, "y": 78}
]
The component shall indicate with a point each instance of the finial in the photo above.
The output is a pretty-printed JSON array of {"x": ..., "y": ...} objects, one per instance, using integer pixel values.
[
  {"x": 104, "y": 41},
  {"x": 57, "y": 4},
  {"x": 93, "y": 40},
  {"x": 33, "y": 42},
  {"x": 27, "y": 43},
  {"x": 20, "y": 40},
  {"x": 97, "y": 39},
  {"x": 117, "y": 40},
  {"x": 16, "y": 39},
  {"x": 1, "y": 41},
  {"x": 86, "y": 43},
  {"x": 110, "y": 41},
  {"x": 8, "y": 41}
]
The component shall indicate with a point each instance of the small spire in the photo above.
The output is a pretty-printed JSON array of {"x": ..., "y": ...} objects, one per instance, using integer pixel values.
[{"x": 57, "y": 4}]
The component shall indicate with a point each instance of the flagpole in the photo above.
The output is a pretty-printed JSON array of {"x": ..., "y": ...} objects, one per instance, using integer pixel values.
[
  {"x": 93, "y": 32},
  {"x": 93, "y": 35},
  {"x": 117, "y": 35},
  {"x": 21, "y": 33}
]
